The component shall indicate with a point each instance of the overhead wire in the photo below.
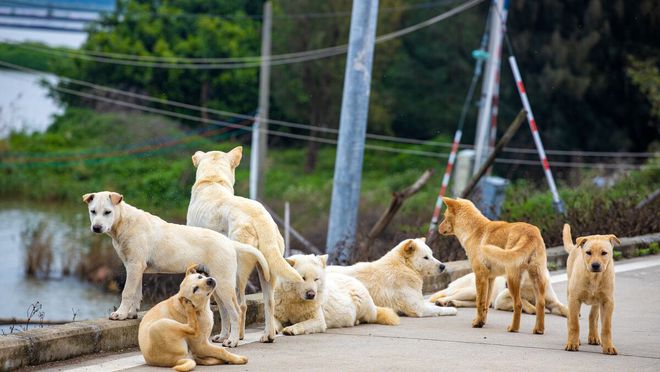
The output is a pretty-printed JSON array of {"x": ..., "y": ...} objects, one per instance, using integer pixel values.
[
  {"x": 316, "y": 127},
  {"x": 255, "y": 61}
]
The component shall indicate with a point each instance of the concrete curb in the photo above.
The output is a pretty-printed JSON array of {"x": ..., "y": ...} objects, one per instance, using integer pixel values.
[
  {"x": 56, "y": 343},
  {"x": 61, "y": 342}
]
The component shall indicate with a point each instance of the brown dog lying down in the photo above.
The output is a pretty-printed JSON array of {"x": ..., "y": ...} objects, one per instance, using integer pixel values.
[
  {"x": 590, "y": 271},
  {"x": 497, "y": 248},
  {"x": 175, "y": 333},
  {"x": 462, "y": 292}
]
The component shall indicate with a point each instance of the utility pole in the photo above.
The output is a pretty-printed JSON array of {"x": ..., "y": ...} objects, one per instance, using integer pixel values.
[
  {"x": 352, "y": 131},
  {"x": 498, "y": 11},
  {"x": 260, "y": 128}
]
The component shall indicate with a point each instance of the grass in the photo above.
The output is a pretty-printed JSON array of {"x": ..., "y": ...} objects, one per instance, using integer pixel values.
[{"x": 159, "y": 180}]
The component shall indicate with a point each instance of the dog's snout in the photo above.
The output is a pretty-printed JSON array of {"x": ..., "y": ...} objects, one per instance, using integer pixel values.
[
  {"x": 210, "y": 282},
  {"x": 309, "y": 295},
  {"x": 97, "y": 228},
  {"x": 595, "y": 266},
  {"x": 441, "y": 267}
]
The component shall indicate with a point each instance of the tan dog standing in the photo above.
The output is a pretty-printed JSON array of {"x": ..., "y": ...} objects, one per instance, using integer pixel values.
[
  {"x": 213, "y": 205},
  {"x": 497, "y": 248},
  {"x": 396, "y": 279},
  {"x": 590, "y": 271},
  {"x": 147, "y": 244},
  {"x": 175, "y": 333}
]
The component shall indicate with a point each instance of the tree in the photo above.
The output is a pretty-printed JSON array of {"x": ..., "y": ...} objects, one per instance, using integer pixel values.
[{"x": 175, "y": 28}]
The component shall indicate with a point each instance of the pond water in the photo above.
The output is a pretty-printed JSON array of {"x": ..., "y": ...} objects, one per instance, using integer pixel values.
[
  {"x": 24, "y": 102},
  {"x": 60, "y": 295}
]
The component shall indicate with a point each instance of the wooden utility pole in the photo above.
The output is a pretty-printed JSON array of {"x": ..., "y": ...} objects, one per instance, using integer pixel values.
[
  {"x": 260, "y": 128},
  {"x": 352, "y": 131}
]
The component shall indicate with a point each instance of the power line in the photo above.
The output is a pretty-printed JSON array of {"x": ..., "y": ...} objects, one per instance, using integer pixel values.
[
  {"x": 255, "y": 61},
  {"x": 334, "y": 142},
  {"x": 320, "y": 128},
  {"x": 311, "y": 15}
]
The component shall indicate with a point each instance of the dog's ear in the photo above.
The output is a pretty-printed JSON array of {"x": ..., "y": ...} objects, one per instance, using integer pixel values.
[
  {"x": 291, "y": 261},
  {"x": 423, "y": 238},
  {"x": 87, "y": 198},
  {"x": 613, "y": 239},
  {"x": 409, "y": 247},
  {"x": 197, "y": 158},
  {"x": 449, "y": 202},
  {"x": 579, "y": 242},
  {"x": 116, "y": 198},
  {"x": 235, "y": 155},
  {"x": 192, "y": 269},
  {"x": 324, "y": 260}
]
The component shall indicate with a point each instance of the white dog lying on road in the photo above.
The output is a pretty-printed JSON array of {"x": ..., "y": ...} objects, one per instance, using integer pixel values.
[
  {"x": 396, "y": 279},
  {"x": 324, "y": 300},
  {"x": 462, "y": 293},
  {"x": 147, "y": 244}
]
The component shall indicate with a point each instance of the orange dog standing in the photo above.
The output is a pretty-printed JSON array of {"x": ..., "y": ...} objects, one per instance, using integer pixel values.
[
  {"x": 497, "y": 248},
  {"x": 590, "y": 271}
]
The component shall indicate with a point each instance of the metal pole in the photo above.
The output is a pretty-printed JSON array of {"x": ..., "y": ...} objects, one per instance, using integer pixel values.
[
  {"x": 488, "y": 87},
  {"x": 287, "y": 229},
  {"x": 352, "y": 130},
  {"x": 260, "y": 128},
  {"x": 556, "y": 200}
]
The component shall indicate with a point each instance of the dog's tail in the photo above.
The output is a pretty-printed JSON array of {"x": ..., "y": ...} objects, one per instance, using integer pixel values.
[
  {"x": 508, "y": 257},
  {"x": 568, "y": 239},
  {"x": 273, "y": 245},
  {"x": 386, "y": 316},
  {"x": 246, "y": 248}
]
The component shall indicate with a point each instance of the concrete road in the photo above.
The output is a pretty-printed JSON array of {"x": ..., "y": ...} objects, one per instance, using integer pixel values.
[{"x": 450, "y": 343}]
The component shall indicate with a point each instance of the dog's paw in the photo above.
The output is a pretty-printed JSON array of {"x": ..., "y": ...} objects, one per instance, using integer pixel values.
[
  {"x": 478, "y": 323},
  {"x": 511, "y": 328},
  {"x": 219, "y": 338},
  {"x": 594, "y": 340},
  {"x": 267, "y": 338},
  {"x": 609, "y": 350},
  {"x": 230, "y": 342},
  {"x": 119, "y": 316},
  {"x": 293, "y": 330},
  {"x": 538, "y": 331},
  {"x": 186, "y": 302},
  {"x": 441, "y": 302},
  {"x": 572, "y": 346},
  {"x": 240, "y": 360}
]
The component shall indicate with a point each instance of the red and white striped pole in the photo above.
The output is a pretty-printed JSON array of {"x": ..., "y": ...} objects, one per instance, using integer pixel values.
[
  {"x": 445, "y": 180},
  {"x": 559, "y": 206}
]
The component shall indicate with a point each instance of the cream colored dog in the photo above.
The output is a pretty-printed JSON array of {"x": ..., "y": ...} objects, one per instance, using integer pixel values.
[
  {"x": 213, "y": 205},
  {"x": 396, "y": 279},
  {"x": 590, "y": 271},
  {"x": 147, "y": 244},
  {"x": 324, "y": 300},
  {"x": 462, "y": 292},
  {"x": 175, "y": 333}
]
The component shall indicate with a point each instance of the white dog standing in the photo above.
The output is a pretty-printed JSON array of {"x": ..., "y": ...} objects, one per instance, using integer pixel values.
[
  {"x": 147, "y": 244},
  {"x": 324, "y": 301},
  {"x": 213, "y": 205},
  {"x": 396, "y": 279}
]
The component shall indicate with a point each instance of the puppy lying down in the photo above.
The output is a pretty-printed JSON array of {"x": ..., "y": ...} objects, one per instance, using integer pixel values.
[
  {"x": 462, "y": 292},
  {"x": 175, "y": 333},
  {"x": 324, "y": 301}
]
